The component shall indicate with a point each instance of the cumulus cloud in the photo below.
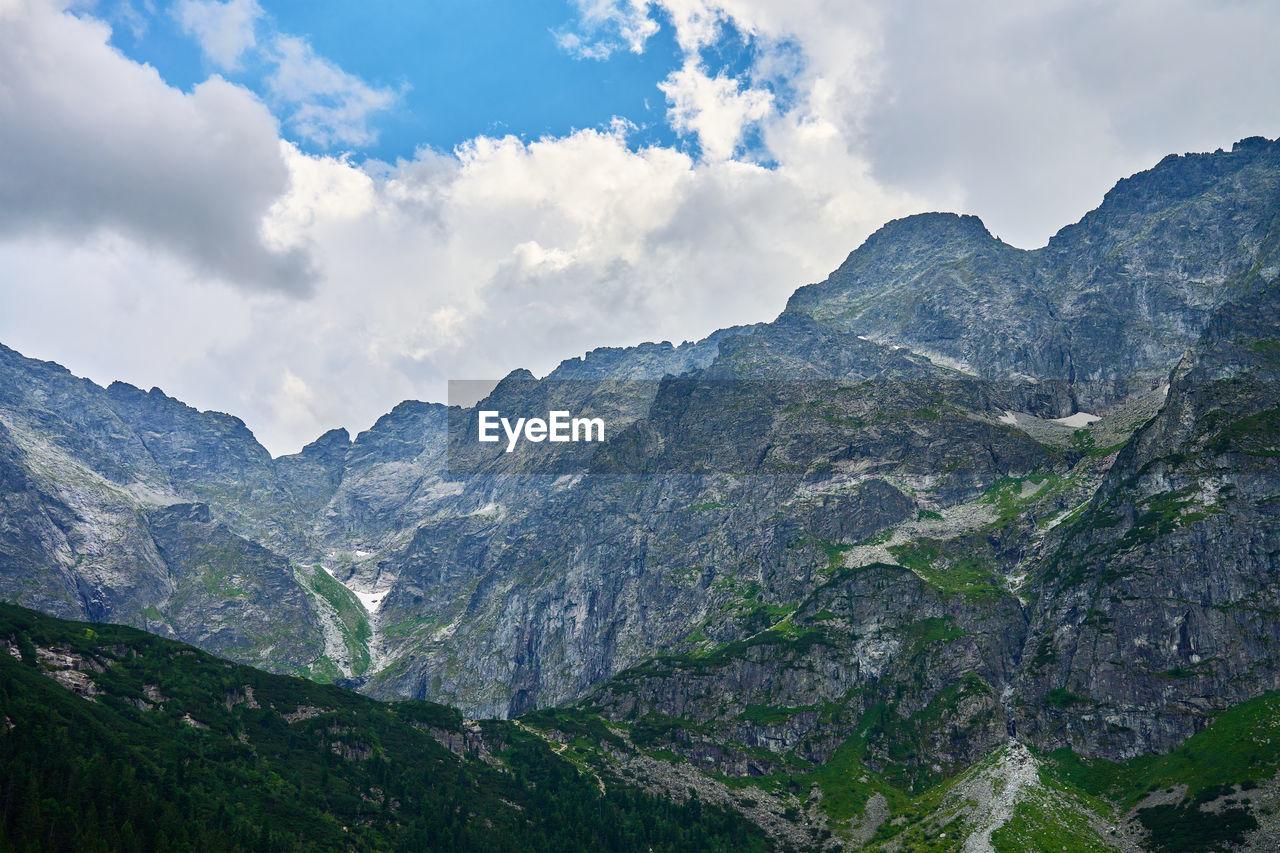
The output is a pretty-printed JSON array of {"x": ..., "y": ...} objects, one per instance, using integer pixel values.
[
  {"x": 224, "y": 30},
  {"x": 92, "y": 141},
  {"x": 328, "y": 106},
  {"x": 718, "y": 110},
  {"x": 605, "y": 26},
  {"x": 1024, "y": 115},
  {"x": 505, "y": 253},
  {"x": 523, "y": 253}
]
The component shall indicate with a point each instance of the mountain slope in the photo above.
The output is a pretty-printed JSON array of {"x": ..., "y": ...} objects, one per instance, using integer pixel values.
[
  {"x": 115, "y": 739},
  {"x": 879, "y": 515},
  {"x": 111, "y": 739},
  {"x": 1160, "y": 602}
]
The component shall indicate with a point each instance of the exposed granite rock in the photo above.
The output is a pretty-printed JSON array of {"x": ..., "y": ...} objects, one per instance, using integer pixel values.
[
  {"x": 1161, "y": 605},
  {"x": 232, "y": 596}
]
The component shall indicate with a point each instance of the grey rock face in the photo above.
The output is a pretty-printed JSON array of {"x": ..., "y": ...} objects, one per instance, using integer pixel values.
[
  {"x": 1160, "y": 604},
  {"x": 231, "y": 596},
  {"x": 874, "y": 648},
  {"x": 88, "y": 475}
]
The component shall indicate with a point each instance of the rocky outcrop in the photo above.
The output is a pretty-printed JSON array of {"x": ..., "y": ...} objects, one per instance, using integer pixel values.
[{"x": 1160, "y": 604}]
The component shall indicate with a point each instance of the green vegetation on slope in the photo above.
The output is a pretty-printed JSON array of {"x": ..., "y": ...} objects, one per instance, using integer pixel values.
[
  {"x": 1237, "y": 750},
  {"x": 1242, "y": 745},
  {"x": 967, "y": 574},
  {"x": 167, "y": 748},
  {"x": 353, "y": 621}
]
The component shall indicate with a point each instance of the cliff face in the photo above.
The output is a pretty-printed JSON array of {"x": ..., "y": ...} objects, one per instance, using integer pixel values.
[
  {"x": 861, "y": 517},
  {"x": 1160, "y": 602}
]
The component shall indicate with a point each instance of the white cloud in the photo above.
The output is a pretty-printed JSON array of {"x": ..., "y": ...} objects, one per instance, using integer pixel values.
[
  {"x": 697, "y": 23},
  {"x": 92, "y": 141},
  {"x": 514, "y": 253},
  {"x": 225, "y": 30},
  {"x": 605, "y": 26},
  {"x": 718, "y": 110},
  {"x": 127, "y": 15},
  {"x": 329, "y": 106},
  {"x": 323, "y": 103},
  {"x": 504, "y": 254},
  {"x": 1022, "y": 114},
  {"x": 294, "y": 404}
]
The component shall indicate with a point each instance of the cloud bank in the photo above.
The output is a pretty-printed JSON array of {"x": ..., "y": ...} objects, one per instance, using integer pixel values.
[{"x": 90, "y": 141}]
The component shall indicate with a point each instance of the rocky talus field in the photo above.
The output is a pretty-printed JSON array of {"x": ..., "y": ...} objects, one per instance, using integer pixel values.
[{"x": 971, "y": 548}]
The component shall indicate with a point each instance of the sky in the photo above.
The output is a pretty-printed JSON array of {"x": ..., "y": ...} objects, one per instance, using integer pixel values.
[{"x": 304, "y": 213}]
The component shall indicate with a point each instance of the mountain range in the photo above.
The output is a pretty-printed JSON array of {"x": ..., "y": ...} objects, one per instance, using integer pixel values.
[{"x": 972, "y": 547}]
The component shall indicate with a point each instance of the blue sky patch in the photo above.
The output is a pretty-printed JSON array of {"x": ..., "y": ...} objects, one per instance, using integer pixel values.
[{"x": 457, "y": 69}]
